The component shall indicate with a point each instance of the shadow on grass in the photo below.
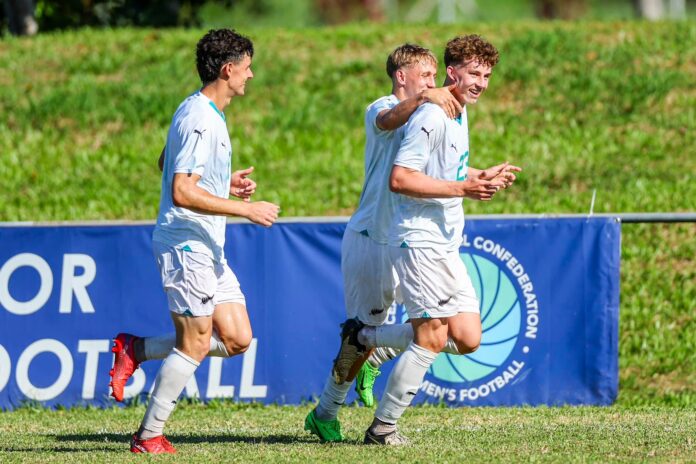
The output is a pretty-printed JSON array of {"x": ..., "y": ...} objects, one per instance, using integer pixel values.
[
  {"x": 117, "y": 442},
  {"x": 282, "y": 439}
]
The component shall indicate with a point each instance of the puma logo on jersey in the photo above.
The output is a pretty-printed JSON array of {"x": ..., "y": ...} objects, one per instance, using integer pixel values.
[
  {"x": 427, "y": 132},
  {"x": 199, "y": 132},
  {"x": 206, "y": 299},
  {"x": 376, "y": 311},
  {"x": 454, "y": 145},
  {"x": 443, "y": 302}
]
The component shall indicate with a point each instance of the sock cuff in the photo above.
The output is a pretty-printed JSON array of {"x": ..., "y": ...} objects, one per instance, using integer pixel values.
[
  {"x": 424, "y": 356},
  {"x": 185, "y": 357}
]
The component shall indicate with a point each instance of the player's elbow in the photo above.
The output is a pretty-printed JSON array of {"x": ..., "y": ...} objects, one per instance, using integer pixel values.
[
  {"x": 396, "y": 180},
  {"x": 179, "y": 197}
]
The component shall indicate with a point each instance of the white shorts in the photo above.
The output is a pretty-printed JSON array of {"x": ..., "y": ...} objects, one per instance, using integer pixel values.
[
  {"x": 370, "y": 283},
  {"x": 434, "y": 283},
  {"x": 194, "y": 282}
]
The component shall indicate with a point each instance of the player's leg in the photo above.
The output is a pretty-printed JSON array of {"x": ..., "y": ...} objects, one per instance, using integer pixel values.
[
  {"x": 369, "y": 283},
  {"x": 322, "y": 421},
  {"x": 465, "y": 326},
  {"x": 231, "y": 320},
  {"x": 425, "y": 283},
  {"x": 192, "y": 337},
  {"x": 130, "y": 350},
  {"x": 362, "y": 263},
  {"x": 430, "y": 336},
  {"x": 189, "y": 281},
  {"x": 231, "y": 334}
]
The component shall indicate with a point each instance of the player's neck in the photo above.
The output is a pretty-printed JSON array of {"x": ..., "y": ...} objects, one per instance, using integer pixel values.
[
  {"x": 399, "y": 93},
  {"x": 456, "y": 93},
  {"x": 217, "y": 94}
]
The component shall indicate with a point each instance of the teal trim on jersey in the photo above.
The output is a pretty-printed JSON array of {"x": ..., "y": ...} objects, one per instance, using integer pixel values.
[
  {"x": 188, "y": 313},
  {"x": 404, "y": 245},
  {"x": 187, "y": 248},
  {"x": 222, "y": 115},
  {"x": 425, "y": 315},
  {"x": 459, "y": 119},
  {"x": 365, "y": 233}
]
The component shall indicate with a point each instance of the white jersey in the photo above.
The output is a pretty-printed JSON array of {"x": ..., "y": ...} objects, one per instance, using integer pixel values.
[
  {"x": 377, "y": 203},
  {"x": 438, "y": 147},
  {"x": 197, "y": 143}
]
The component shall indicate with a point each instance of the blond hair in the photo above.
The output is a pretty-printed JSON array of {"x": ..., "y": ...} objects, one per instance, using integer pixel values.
[{"x": 407, "y": 55}]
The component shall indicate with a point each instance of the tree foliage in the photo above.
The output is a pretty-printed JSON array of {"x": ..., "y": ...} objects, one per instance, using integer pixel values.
[{"x": 78, "y": 13}]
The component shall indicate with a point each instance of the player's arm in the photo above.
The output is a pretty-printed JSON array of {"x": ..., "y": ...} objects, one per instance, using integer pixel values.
[
  {"x": 424, "y": 134},
  {"x": 398, "y": 116},
  {"x": 187, "y": 194},
  {"x": 414, "y": 183},
  {"x": 160, "y": 161}
]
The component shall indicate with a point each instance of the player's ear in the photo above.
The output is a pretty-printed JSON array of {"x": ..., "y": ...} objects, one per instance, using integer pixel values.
[
  {"x": 225, "y": 71},
  {"x": 452, "y": 74},
  {"x": 400, "y": 76}
]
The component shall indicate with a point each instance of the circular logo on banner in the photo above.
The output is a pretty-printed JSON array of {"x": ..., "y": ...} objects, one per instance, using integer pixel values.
[
  {"x": 501, "y": 315},
  {"x": 509, "y": 322}
]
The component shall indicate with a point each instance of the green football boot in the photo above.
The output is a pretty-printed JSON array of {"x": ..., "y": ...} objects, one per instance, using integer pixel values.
[
  {"x": 364, "y": 382},
  {"x": 327, "y": 431}
]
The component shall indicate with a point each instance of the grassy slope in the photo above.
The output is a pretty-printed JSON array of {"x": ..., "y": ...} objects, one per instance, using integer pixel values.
[
  {"x": 611, "y": 106},
  {"x": 225, "y": 433}
]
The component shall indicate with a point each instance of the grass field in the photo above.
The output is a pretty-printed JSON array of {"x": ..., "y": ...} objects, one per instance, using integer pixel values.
[
  {"x": 224, "y": 432},
  {"x": 582, "y": 106}
]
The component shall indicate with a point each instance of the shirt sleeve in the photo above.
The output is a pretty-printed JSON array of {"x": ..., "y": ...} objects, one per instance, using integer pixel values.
[
  {"x": 423, "y": 133},
  {"x": 195, "y": 149},
  {"x": 384, "y": 103}
]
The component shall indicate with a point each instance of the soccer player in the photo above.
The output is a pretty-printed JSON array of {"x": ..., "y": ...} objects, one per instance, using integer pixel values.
[
  {"x": 188, "y": 240},
  {"x": 432, "y": 175},
  {"x": 368, "y": 276}
]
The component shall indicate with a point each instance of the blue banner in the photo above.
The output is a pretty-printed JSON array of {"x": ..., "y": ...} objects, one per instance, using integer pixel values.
[{"x": 549, "y": 292}]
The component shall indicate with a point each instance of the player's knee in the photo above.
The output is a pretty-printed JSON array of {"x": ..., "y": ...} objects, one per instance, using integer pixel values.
[
  {"x": 238, "y": 344},
  {"x": 435, "y": 342},
  {"x": 468, "y": 343},
  {"x": 198, "y": 349}
]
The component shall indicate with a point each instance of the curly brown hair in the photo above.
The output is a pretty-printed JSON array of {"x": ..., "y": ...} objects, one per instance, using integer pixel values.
[
  {"x": 465, "y": 48},
  {"x": 218, "y": 47},
  {"x": 407, "y": 55}
]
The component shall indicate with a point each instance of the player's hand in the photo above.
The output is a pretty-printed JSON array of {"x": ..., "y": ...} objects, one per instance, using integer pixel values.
[
  {"x": 241, "y": 186},
  {"x": 478, "y": 188},
  {"x": 442, "y": 97},
  {"x": 263, "y": 213},
  {"x": 503, "y": 174}
]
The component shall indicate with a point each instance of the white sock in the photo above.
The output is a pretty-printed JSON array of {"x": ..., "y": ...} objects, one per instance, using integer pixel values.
[
  {"x": 403, "y": 382},
  {"x": 171, "y": 379},
  {"x": 394, "y": 335},
  {"x": 398, "y": 336},
  {"x": 332, "y": 397},
  {"x": 158, "y": 347},
  {"x": 217, "y": 348},
  {"x": 450, "y": 347},
  {"x": 381, "y": 355},
  {"x": 368, "y": 336}
]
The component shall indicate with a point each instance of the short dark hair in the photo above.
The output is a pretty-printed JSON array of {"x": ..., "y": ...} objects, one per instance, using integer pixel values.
[
  {"x": 407, "y": 55},
  {"x": 463, "y": 49},
  {"x": 217, "y": 48}
]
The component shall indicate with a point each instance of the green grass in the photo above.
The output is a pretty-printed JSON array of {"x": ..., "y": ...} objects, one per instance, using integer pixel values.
[
  {"x": 606, "y": 106},
  {"x": 581, "y": 106},
  {"x": 228, "y": 433}
]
